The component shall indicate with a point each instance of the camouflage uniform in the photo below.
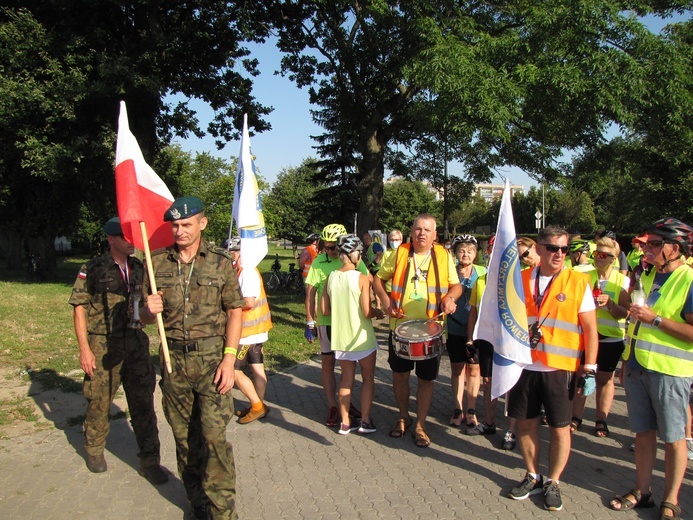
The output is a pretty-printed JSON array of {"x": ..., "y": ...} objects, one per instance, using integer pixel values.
[
  {"x": 122, "y": 355},
  {"x": 195, "y": 323}
]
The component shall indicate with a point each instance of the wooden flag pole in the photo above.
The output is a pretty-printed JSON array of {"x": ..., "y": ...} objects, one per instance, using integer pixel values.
[{"x": 152, "y": 284}]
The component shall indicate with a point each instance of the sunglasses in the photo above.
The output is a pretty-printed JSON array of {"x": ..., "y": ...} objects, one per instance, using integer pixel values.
[
  {"x": 330, "y": 248},
  {"x": 602, "y": 255},
  {"x": 525, "y": 254},
  {"x": 654, "y": 244},
  {"x": 555, "y": 249}
]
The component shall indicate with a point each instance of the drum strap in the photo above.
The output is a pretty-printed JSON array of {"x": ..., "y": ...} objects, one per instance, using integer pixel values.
[{"x": 434, "y": 261}]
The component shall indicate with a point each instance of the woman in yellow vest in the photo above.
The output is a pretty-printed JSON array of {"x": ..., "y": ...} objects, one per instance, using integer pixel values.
[{"x": 611, "y": 298}]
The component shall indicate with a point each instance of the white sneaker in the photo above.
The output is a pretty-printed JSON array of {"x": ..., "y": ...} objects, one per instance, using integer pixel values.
[{"x": 689, "y": 445}]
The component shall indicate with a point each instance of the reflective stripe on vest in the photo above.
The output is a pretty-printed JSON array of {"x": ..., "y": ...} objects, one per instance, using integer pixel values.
[
  {"x": 655, "y": 349},
  {"x": 561, "y": 345},
  {"x": 436, "y": 289},
  {"x": 607, "y": 325},
  {"x": 257, "y": 319}
]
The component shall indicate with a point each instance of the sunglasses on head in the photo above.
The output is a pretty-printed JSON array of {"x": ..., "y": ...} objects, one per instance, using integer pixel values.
[
  {"x": 330, "y": 248},
  {"x": 525, "y": 254},
  {"x": 602, "y": 255},
  {"x": 555, "y": 249}
]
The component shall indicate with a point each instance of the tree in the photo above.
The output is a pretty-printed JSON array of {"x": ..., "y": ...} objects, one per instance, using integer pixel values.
[
  {"x": 513, "y": 83},
  {"x": 402, "y": 201},
  {"x": 66, "y": 65},
  {"x": 293, "y": 206}
]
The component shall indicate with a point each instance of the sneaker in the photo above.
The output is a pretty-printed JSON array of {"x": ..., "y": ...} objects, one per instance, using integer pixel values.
[
  {"x": 481, "y": 429},
  {"x": 528, "y": 486},
  {"x": 509, "y": 441},
  {"x": 632, "y": 446},
  {"x": 354, "y": 412},
  {"x": 346, "y": 429},
  {"x": 552, "y": 497},
  {"x": 367, "y": 427},
  {"x": 689, "y": 445},
  {"x": 332, "y": 417}
]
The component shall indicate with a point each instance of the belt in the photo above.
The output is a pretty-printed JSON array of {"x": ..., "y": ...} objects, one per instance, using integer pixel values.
[{"x": 195, "y": 346}]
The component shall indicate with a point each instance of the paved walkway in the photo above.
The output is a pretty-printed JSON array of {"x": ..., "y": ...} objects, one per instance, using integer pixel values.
[{"x": 290, "y": 465}]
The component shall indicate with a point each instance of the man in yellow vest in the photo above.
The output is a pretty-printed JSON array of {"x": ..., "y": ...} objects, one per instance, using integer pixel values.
[
  {"x": 562, "y": 324},
  {"x": 257, "y": 321},
  {"x": 424, "y": 285},
  {"x": 658, "y": 366}
]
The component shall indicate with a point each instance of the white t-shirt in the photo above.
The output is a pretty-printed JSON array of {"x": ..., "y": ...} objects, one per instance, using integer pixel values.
[
  {"x": 250, "y": 281},
  {"x": 586, "y": 306}
]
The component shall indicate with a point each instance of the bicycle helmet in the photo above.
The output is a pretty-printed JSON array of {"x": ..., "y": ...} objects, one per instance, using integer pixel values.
[
  {"x": 331, "y": 232},
  {"x": 463, "y": 239},
  {"x": 672, "y": 230},
  {"x": 349, "y": 243},
  {"x": 607, "y": 233},
  {"x": 232, "y": 244},
  {"x": 312, "y": 238},
  {"x": 579, "y": 246}
]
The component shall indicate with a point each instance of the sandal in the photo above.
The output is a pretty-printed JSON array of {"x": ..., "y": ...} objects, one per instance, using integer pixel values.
[
  {"x": 642, "y": 500},
  {"x": 474, "y": 422},
  {"x": 575, "y": 424},
  {"x": 400, "y": 427},
  {"x": 420, "y": 438},
  {"x": 601, "y": 429},
  {"x": 456, "y": 419},
  {"x": 674, "y": 509}
]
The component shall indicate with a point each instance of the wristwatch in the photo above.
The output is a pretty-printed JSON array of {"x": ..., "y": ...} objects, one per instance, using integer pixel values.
[{"x": 657, "y": 322}]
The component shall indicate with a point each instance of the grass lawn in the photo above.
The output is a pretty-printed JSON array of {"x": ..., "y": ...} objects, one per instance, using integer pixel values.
[{"x": 36, "y": 332}]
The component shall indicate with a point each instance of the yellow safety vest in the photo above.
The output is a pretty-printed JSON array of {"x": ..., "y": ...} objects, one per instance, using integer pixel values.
[
  {"x": 258, "y": 318},
  {"x": 655, "y": 349},
  {"x": 607, "y": 325},
  {"x": 436, "y": 280}
]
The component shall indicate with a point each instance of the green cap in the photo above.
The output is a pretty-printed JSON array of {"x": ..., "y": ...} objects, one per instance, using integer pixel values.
[
  {"x": 112, "y": 227},
  {"x": 184, "y": 207}
]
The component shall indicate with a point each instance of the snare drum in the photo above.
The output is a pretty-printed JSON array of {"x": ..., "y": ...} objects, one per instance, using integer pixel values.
[{"x": 418, "y": 339}]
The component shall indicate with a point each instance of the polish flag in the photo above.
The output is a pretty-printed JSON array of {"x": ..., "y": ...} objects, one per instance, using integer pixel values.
[{"x": 141, "y": 195}]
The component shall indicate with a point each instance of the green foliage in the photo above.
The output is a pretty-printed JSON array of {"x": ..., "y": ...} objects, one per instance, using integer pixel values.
[
  {"x": 403, "y": 200},
  {"x": 293, "y": 207}
]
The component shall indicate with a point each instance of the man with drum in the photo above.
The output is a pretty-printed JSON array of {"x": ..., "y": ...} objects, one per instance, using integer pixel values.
[{"x": 425, "y": 287}]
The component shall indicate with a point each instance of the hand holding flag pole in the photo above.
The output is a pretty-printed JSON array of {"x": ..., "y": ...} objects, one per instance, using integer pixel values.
[{"x": 142, "y": 199}]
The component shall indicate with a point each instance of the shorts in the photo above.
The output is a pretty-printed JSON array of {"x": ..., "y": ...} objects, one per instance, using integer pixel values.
[
  {"x": 555, "y": 390},
  {"x": 657, "y": 402},
  {"x": 325, "y": 334},
  {"x": 608, "y": 355},
  {"x": 249, "y": 355},
  {"x": 485, "y": 355},
  {"x": 458, "y": 351},
  {"x": 426, "y": 369}
]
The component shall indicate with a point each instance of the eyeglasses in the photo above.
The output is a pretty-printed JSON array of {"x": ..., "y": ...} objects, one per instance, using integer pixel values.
[
  {"x": 602, "y": 255},
  {"x": 525, "y": 254},
  {"x": 330, "y": 248},
  {"x": 555, "y": 249},
  {"x": 654, "y": 244}
]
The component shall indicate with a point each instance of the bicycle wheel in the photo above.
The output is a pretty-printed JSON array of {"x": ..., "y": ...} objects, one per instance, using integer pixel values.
[
  {"x": 296, "y": 281},
  {"x": 273, "y": 282}
]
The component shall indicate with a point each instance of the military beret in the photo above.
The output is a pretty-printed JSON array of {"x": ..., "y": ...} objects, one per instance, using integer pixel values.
[
  {"x": 112, "y": 227},
  {"x": 184, "y": 207}
]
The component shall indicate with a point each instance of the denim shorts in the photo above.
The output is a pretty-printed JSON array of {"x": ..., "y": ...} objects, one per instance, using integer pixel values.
[{"x": 657, "y": 402}]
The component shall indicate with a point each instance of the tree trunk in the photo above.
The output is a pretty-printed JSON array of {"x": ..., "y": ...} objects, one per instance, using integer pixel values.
[
  {"x": 370, "y": 186},
  {"x": 14, "y": 250}
]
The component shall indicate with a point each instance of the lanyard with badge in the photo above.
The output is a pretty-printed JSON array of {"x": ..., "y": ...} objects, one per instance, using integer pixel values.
[
  {"x": 418, "y": 275},
  {"x": 535, "y": 333}
]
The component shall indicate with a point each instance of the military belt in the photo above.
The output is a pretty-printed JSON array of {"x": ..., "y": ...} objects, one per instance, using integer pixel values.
[{"x": 195, "y": 346}]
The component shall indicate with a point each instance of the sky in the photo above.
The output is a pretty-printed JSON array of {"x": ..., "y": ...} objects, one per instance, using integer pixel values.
[{"x": 288, "y": 143}]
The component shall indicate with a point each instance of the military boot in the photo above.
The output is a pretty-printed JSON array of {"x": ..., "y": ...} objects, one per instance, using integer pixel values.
[{"x": 97, "y": 463}]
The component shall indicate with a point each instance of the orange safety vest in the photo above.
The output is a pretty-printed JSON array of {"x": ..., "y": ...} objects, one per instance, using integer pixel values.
[
  {"x": 258, "y": 318},
  {"x": 313, "y": 250},
  {"x": 437, "y": 284},
  {"x": 562, "y": 342}
]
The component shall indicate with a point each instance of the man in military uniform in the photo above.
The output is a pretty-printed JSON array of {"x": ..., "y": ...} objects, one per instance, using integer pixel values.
[
  {"x": 201, "y": 302},
  {"x": 114, "y": 349}
]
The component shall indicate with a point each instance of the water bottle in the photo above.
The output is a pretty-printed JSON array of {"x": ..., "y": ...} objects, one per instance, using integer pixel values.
[{"x": 638, "y": 296}]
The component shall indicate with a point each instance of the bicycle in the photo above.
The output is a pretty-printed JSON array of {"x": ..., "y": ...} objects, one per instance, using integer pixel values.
[
  {"x": 286, "y": 282},
  {"x": 35, "y": 268}
]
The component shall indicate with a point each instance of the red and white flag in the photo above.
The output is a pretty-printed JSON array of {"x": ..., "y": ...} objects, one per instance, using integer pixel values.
[{"x": 141, "y": 195}]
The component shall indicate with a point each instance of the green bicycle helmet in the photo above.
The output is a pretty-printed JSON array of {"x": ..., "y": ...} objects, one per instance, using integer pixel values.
[
  {"x": 579, "y": 246},
  {"x": 331, "y": 232}
]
